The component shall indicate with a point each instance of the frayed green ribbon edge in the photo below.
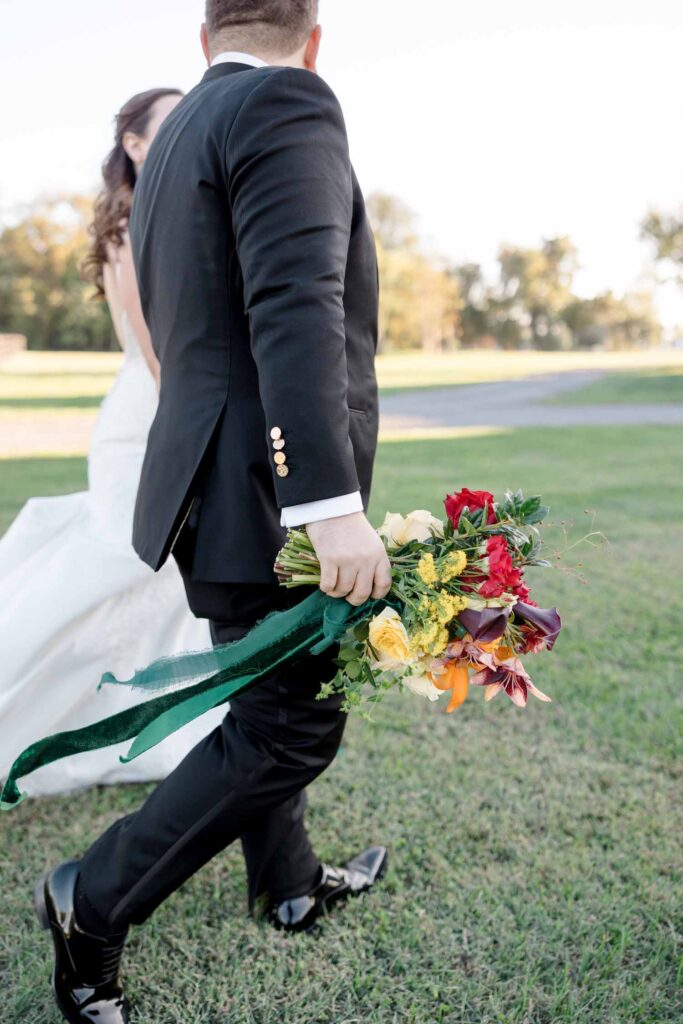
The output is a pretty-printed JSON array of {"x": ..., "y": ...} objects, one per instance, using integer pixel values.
[{"x": 310, "y": 627}]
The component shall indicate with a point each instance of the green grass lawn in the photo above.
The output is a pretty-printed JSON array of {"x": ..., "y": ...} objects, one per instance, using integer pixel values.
[
  {"x": 644, "y": 386},
  {"x": 23, "y": 478},
  {"x": 535, "y": 857},
  {"x": 55, "y": 404}
]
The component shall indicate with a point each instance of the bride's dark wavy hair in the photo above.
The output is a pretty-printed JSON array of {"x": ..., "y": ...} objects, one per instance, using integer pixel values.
[{"x": 112, "y": 206}]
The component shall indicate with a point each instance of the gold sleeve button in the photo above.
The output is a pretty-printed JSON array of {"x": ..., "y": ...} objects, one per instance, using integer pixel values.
[
  {"x": 282, "y": 471},
  {"x": 280, "y": 458},
  {"x": 279, "y": 444},
  {"x": 276, "y": 433}
]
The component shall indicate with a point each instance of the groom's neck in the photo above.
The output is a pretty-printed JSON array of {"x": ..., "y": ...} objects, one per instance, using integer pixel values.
[
  {"x": 292, "y": 60},
  {"x": 230, "y": 42}
]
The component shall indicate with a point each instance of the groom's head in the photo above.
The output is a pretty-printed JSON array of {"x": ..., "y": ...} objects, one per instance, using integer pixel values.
[{"x": 278, "y": 31}]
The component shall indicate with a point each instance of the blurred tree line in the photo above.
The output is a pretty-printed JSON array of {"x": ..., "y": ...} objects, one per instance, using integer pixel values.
[
  {"x": 665, "y": 231},
  {"x": 429, "y": 304},
  {"x": 426, "y": 303},
  {"x": 42, "y": 293}
]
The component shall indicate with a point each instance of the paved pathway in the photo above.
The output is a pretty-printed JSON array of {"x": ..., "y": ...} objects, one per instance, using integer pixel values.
[
  {"x": 471, "y": 409},
  {"x": 517, "y": 403},
  {"x": 23, "y": 436}
]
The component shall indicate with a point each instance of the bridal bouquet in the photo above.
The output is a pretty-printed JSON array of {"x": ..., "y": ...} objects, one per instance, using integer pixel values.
[{"x": 459, "y": 611}]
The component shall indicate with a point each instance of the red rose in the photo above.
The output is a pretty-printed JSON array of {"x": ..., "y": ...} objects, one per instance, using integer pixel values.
[
  {"x": 502, "y": 574},
  {"x": 523, "y": 594},
  {"x": 473, "y": 500}
]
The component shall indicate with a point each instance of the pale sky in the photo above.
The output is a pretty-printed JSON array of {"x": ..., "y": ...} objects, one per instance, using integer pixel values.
[{"x": 496, "y": 121}]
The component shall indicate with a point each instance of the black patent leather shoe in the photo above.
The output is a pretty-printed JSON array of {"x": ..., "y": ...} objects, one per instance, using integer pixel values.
[
  {"x": 301, "y": 913},
  {"x": 85, "y": 977}
]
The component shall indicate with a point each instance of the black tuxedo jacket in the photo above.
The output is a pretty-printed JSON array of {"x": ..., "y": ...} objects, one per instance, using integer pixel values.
[{"x": 258, "y": 279}]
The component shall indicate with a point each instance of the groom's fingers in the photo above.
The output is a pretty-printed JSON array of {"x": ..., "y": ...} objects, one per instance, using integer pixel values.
[
  {"x": 382, "y": 579},
  {"x": 349, "y": 552},
  {"x": 362, "y": 587},
  {"x": 346, "y": 578},
  {"x": 328, "y": 577}
]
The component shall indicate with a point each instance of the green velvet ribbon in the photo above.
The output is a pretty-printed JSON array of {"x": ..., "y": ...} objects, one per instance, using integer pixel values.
[{"x": 310, "y": 627}]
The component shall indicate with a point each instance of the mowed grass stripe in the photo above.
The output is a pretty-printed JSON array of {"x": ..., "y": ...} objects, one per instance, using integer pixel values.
[{"x": 645, "y": 386}]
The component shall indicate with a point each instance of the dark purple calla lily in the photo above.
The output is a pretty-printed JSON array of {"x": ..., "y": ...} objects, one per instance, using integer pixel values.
[
  {"x": 544, "y": 624},
  {"x": 486, "y": 625}
]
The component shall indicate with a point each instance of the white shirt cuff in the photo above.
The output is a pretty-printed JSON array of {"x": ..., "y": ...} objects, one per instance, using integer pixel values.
[{"x": 315, "y": 511}]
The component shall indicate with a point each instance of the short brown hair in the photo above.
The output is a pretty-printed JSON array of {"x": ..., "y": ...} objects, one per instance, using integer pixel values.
[{"x": 276, "y": 26}]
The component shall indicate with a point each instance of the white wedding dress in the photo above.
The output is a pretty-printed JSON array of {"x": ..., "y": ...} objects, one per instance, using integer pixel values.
[{"x": 75, "y": 601}]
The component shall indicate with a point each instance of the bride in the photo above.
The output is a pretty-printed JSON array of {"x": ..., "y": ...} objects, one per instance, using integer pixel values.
[{"x": 75, "y": 600}]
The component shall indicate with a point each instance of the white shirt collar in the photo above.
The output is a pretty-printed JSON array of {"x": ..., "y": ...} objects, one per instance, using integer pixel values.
[{"x": 236, "y": 57}]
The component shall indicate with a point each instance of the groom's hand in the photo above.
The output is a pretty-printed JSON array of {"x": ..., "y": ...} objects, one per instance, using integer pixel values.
[{"x": 353, "y": 560}]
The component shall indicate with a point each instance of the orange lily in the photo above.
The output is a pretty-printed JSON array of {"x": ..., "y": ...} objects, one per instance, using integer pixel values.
[{"x": 455, "y": 678}]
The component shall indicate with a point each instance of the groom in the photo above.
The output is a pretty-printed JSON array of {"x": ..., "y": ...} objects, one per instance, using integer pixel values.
[{"x": 258, "y": 279}]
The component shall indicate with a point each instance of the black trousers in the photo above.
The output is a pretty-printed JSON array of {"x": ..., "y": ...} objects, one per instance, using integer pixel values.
[{"x": 245, "y": 780}]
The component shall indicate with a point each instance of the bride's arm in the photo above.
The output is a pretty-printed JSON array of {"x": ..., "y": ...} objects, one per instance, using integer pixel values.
[{"x": 129, "y": 298}]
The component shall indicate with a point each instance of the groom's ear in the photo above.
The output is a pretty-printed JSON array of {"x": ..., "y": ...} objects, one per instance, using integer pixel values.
[
  {"x": 204, "y": 39},
  {"x": 310, "y": 57}
]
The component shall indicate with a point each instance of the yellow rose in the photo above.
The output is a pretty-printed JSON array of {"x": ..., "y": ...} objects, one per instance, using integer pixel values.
[
  {"x": 389, "y": 638},
  {"x": 419, "y": 525}
]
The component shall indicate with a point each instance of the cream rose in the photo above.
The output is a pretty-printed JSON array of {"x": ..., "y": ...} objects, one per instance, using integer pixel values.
[
  {"x": 422, "y": 686},
  {"x": 419, "y": 525}
]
